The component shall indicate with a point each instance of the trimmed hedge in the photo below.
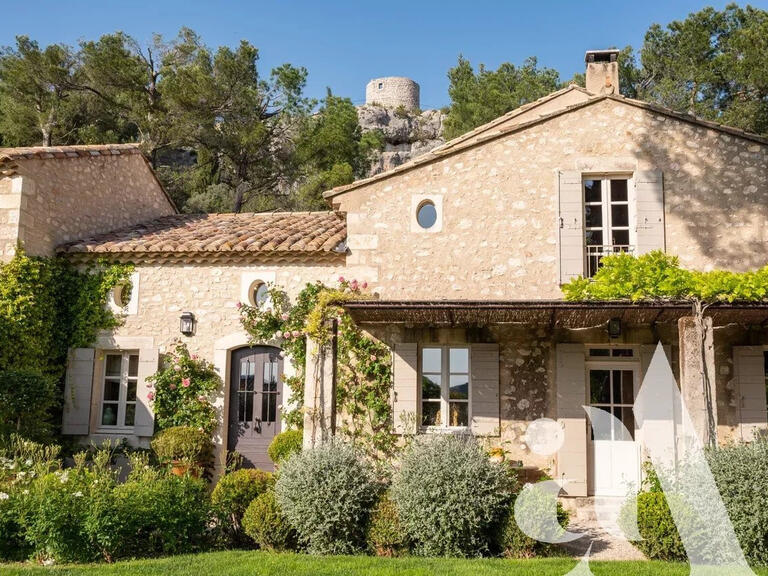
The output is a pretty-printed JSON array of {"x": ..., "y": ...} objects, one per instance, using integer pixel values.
[
  {"x": 285, "y": 444},
  {"x": 265, "y": 524}
]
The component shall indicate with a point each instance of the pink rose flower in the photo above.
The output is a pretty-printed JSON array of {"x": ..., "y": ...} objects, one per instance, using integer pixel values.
[
  {"x": 172, "y": 386},
  {"x": 284, "y": 316},
  {"x": 176, "y": 367},
  {"x": 373, "y": 357},
  {"x": 279, "y": 334},
  {"x": 341, "y": 278},
  {"x": 364, "y": 285},
  {"x": 151, "y": 396},
  {"x": 149, "y": 384},
  {"x": 201, "y": 398},
  {"x": 353, "y": 285},
  {"x": 185, "y": 382},
  {"x": 239, "y": 305},
  {"x": 296, "y": 333},
  {"x": 194, "y": 356}
]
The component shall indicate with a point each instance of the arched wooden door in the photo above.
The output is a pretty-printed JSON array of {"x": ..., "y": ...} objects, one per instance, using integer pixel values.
[{"x": 255, "y": 390}]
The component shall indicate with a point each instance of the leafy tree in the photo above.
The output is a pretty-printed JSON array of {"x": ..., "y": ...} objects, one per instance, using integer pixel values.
[
  {"x": 247, "y": 123},
  {"x": 479, "y": 97},
  {"x": 332, "y": 150},
  {"x": 34, "y": 94}
]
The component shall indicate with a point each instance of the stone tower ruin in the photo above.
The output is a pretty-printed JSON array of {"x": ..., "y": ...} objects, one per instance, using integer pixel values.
[{"x": 393, "y": 92}]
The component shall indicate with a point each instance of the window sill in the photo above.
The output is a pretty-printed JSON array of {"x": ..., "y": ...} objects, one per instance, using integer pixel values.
[
  {"x": 457, "y": 430},
  {"x": 115, "y": 431}
]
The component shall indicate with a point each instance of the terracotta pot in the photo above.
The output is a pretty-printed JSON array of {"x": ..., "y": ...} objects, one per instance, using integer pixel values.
[{"x": 179, "y": 468}]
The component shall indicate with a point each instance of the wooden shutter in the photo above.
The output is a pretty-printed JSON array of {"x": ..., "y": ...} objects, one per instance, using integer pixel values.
[
  {"x": 571, "y": 225},
  {"x": 144, "y": 424},
  {"x": 570, "y": 378},
  {"x": 749, "y": 363},
  {"x": 78, "y": 387},
  {"x": 484, "y": 388},
  {"x": 649, "y": 209},
  {"x": 405, "y": 390}
]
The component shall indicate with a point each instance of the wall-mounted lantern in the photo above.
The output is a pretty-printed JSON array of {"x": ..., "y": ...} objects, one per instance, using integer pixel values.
[
  {"x": 187, "y": 323},
  {"x": 614, "y": 327}
]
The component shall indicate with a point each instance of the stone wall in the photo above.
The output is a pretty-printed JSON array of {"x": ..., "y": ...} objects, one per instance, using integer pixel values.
[
  {"x": 55, "y": 201},
  {"x": 498, "y": 233}
]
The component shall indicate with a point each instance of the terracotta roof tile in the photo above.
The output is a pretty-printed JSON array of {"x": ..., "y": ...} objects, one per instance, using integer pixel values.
[
  {"x": 273, "y": 233},
  {"x": 46, "y": 152}
]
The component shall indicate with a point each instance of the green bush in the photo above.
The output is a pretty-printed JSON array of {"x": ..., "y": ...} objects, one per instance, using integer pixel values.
[
  {"x": 285, "y": 444},
  {"x": 13, "y": 546},
  {"x": 741, "y": 475},
  {"x": 151, "y": 514},
  {"x": 182, "y": 444},
  {"x": 26, "y": 398},
  {"x": 450, "y": 496},
  {"x": 265, "y": 524},
  {"x": 514, "y": 543},
  {"x": 183, "y": 388},
  {"x": 231, "y": 497},
  {"x": 327, "y": 494},
  {"x": 661, "y": 540},
  {"x": 386, "y": 536}
]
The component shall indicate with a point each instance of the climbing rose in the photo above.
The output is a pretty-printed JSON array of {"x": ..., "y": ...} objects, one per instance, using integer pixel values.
[
  {"x": 176, "y": 367},
  {"x": 353, "y": 285},
  {"x": 279, "y": 334},
  {"x": 364, "y": 285},
  {"x": 185, "y": 382},
  {"x": 239, "y": 305},
  {"x": 373, "y": 357},
  {"x": 151, "y": 396},
  {"x": 341, "y": 279},
  {"x": 284, "y": 316},
  {"x": 201, "y": 398},
  {"x": 296, "y": 333}
]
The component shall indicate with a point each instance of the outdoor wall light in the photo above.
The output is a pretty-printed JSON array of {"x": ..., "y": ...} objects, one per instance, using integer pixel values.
[
  {"x": 614, "y": 327},
  {"x": 187, "y": 323}
]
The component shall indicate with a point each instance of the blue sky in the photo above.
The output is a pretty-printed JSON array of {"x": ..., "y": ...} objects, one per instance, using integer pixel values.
[{"x": 344, "y": 44}]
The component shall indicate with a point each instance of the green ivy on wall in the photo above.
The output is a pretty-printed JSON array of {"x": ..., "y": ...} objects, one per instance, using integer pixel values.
[
  {"x": 47, "y": 306},
  {"x": 364, "y": 365}
]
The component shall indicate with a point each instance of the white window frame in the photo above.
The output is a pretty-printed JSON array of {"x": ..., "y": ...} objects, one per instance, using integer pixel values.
[
  {"x": 122, "y": 401},
  {"x": 445, "y": 386},
  {"x": 605, "y": 205}
]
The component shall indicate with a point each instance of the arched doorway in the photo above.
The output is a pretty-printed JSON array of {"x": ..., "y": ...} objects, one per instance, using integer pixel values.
[{"x": 255, "y": 389}]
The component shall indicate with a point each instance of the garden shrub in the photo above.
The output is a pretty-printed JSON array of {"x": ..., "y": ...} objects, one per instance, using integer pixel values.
[
  {"x": 26, "y": 397},
  {"x": 386, "y": 536},
  {"x": 182, "y": 391},
  {"x": 661, "y": 540},
  {"x": 13, "y": 545},
  {"x": 741, "y": 475},
  {"x": 285, "y": 444},
  {"x": 327, "y": 494},
  {"x": 266, "y": 525},
  {"x": 152, "y": 513},
  {"x": 449, "y": 496},
  {"x": 183, "y": 444},
  {"x": 231, "y": 497},
  {"x": 514, "y": 543}
]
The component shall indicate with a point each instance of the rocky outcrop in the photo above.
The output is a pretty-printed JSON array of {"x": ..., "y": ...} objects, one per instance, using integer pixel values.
[{"x": 407, "y": 134}]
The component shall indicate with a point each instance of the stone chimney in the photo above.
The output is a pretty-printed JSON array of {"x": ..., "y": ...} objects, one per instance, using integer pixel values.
[{"x": 602, "y": 71}]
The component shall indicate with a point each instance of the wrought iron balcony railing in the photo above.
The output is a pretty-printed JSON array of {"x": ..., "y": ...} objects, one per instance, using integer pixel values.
[{"x": 595, "y": 255}]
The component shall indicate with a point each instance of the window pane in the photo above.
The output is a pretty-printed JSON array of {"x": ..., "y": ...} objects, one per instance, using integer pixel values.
[
  {"x": 625, "y": 416},
  {"x": 620, "y": 215},
  {"x": 430, "y": 413},
  {"x": 268, "y": 407},
  {"x": 113, "y": 365},
  {"x": 109, "y": 415},
  {"x": 133, "y": 365},
  {"x": 599, "y": 352},
  {"x": 620, "y": 237},
  {"x": 270, "y": 376},
  {"x": 248, "y": 416},
  {"x": 130, "y": 414},
  {"x": 459, "y": 360},
  {"x": 459, "y": 414},
  {"x": 622, "y": 352},
  {"x": 594, "y": 238},
  {"x": 131, "y": 394},
  {"x": 616, "y": 379},
  {"x": 593, "y": 216},
  {"x": 112, "y": 390},
  {"x": 627, "y": 387},
  {"x": 431, "y": 360},
  {"x": 618, "y": 190},
  {"x": 459, "y": 388},
  {"x": 599, "y": 386},
  {"x": 601, "y": 434},
  {"x": 593, "y": 191},
  {"x": 430, "y": 387}
]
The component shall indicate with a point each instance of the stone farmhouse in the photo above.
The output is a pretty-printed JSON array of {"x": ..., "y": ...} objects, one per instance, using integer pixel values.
[{"x": 466, "y": 248}]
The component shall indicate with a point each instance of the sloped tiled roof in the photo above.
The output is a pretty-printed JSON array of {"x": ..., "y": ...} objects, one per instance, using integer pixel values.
[
  {"x": 483, "y": 134},
  {"x": 84, "y": 151},
  {"x": 293, "y": 234}
]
